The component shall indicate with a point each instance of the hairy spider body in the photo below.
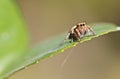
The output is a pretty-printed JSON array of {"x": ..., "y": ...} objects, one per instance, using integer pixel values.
[{"x": 78, "y": 31}]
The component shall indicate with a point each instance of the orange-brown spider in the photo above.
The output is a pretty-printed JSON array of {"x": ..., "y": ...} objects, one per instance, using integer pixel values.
[{"x": 78, "y": 31}]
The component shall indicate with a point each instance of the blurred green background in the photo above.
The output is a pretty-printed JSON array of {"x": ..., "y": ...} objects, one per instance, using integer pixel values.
[{"x": 96, "y": 59}]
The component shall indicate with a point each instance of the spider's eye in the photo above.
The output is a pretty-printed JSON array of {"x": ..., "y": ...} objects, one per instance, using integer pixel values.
[
  {"x": 83, "y": 24},
  {"x": 77, "y": 25}
]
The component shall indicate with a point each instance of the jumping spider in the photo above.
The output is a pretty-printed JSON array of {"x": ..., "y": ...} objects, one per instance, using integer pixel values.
[{"x": 78, "y": 31}]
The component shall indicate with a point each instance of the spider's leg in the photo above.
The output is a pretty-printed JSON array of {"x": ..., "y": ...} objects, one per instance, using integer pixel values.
[
  {"x": 67, "y": 37},
  {"x": 71, "y": 40},
  {"x": 78, "y": 39},
  {"x": 91, "y": 30},
  {"x": 78, "y": 35}
]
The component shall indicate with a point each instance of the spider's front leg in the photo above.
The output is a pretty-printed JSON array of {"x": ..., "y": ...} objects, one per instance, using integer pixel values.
[
  {"x": 78, "y": 39},
  {"x": 78, "y": 35},
  {"x": 70, "y": 36},
  {"x": 71, "y": 40},
  {"x": 91, "y": 30},
  {"x": 67, "y": 37}
]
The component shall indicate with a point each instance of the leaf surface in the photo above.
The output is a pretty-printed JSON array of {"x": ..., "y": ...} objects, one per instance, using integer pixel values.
[{"x": 53, "y": 46}]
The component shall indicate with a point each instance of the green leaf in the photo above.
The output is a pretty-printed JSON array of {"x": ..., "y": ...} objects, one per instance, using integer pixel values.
[
  {"x": 13, "y": 37},
  {"x": 52, "y": 46}
]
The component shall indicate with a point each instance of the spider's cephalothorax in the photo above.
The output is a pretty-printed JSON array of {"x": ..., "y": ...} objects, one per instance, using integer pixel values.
[{"x": 78, "y": 31}]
